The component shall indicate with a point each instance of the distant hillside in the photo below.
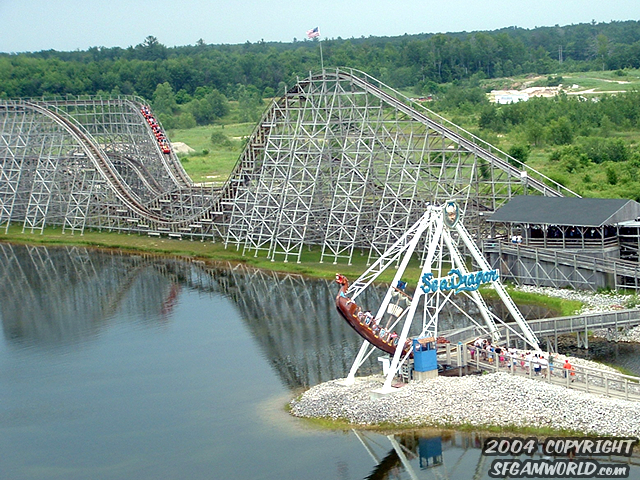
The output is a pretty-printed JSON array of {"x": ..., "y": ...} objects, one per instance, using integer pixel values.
[{"x": 416, "y": 61}]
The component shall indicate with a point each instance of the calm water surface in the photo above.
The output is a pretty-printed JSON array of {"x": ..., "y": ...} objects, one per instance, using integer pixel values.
[{"x": 117, "y": 367}]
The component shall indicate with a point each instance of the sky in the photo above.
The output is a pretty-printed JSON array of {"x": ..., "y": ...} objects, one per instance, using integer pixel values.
[{"x": 68, "y": 25}]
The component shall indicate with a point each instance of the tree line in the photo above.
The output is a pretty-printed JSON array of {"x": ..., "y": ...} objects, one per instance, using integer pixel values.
[
  {"x": 419, "y": 61},
  {"x": 193, "y": 85}
]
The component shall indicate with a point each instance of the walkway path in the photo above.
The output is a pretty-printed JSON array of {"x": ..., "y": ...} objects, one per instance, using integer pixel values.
[{"x": 587, "y": 379}]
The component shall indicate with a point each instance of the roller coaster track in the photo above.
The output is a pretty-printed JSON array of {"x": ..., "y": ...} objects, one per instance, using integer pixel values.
[
  {"x": 341, "y": 160},
  {"x": 101, "y": 161},
  {"x": 105, "y": 167},
  {"x": 467, "y": 140},
  {"x": 171, "y": 163},
  {"x": 141, "y": 171}
]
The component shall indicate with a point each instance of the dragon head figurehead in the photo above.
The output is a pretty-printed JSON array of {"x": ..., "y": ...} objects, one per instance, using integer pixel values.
[{"x": 342, "y": 280}]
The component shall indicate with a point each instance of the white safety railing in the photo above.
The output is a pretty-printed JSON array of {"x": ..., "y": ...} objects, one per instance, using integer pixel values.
[{"x": 578, "y": 377}]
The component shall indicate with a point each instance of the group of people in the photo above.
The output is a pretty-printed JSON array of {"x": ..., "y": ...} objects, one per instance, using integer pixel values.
[
  {"x": 369, "y": 320},
  {"x": 157, "y": 131},
  {"x": 540, "y": 363},
  {"x": 516, "y": 239}
]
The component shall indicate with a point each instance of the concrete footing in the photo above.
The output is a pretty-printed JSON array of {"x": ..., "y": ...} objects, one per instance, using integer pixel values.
[{"x": 425, "y": 375}]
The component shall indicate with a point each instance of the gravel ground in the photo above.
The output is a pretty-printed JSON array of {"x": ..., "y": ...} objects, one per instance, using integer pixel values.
[
  {"x": 631, "y": 335},
  {"x": 594, "y": 303},
  {"x": 497, "y": 399}
]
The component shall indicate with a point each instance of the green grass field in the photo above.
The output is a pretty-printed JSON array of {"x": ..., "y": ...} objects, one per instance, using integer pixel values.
[
  {"x": 606, "y": 81},
  {"x": 209, "y": 162},
  {"x": 599, "y": 81}
]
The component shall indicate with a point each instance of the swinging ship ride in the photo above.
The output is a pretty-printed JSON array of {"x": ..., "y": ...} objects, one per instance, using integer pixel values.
[
  {"x": 365, "y": 324},
  {"x": 441, "y": 229}
]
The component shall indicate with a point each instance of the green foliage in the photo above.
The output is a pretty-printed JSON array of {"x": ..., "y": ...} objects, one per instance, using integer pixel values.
[
  {"x": 600, "y": 150},
  {"x": 186, "y": 120},
  {"x": 167, "y": 121},
  {"x": 250, "y": 103},
  {"x": 164, "y": 100},
  {"x": 560, "y": 131},
  {"x": 425, "y": 61},
  {"x": 612, "y": 176},
  {"x": 534, "y": 132},
  {"x": 183, "y": 97},
  {"x": 268, "y": 92},
  {"x": 490, "y": 119},
  {"x": 559, "y": 178},
  {"x": 560, "y": 119},
  {"x": 462, "y": 98},
  {"x": 590, "y": 151},
  {"x": 519, "y": 152},
  {"x": 606, "y": 126},
  {"x": 554, "y": 81},
  {"x": 220, "y": 139},
  {"x": 485, "y": 170},
  {"x": 189, "y": 88},
  {"x": 207, "y": 106}
]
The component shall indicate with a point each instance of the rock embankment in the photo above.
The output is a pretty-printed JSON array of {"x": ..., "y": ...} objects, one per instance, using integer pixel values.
[
  {"x": 631, "y": 335},
  {"x": 497, "y": 399}
]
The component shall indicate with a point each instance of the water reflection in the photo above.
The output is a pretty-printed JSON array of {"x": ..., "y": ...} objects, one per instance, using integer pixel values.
[
  {"x": 445, "y": 454},
  {"x": 65, "y": 295},
  {"x": 61, "y": 296},
  {"x": 116, "y": 366},
  {"x": 53, "y": 296},
  {"x": 407, "y": 454}
]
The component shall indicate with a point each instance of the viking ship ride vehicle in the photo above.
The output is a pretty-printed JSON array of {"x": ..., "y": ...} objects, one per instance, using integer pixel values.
[
  {"x": 365, "y": 324},
  {"x": 441, "y": 227}
]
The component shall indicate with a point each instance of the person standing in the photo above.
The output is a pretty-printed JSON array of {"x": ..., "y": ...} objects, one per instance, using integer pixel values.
[
  {"x": 568, "y": 369},
  {"x": 544, "y": 364}
]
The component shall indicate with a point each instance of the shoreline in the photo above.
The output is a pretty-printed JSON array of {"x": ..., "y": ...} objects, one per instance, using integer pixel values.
[
  {"x": 206, "y": 250},
  {"x": 209, "y": 251},
  {"x": 491, "y": 402},
  {"x": 453, "y": 388}
]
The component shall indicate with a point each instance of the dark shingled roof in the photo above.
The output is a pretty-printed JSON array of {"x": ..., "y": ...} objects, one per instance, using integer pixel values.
[{"x": 585, "y": 212}]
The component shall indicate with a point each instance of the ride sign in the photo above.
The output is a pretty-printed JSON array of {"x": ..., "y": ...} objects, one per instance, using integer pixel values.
[{"x": 458, "y": 281}]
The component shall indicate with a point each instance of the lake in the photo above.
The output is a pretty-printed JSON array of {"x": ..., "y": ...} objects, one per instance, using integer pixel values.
[{"x": 135, "y": 366}]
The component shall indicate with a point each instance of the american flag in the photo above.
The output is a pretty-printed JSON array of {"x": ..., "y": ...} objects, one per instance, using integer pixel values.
[{"x": 313, "y": 33}]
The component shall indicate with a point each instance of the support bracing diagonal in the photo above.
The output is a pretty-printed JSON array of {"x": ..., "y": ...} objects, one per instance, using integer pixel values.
[{"x": 346, "y": 163}]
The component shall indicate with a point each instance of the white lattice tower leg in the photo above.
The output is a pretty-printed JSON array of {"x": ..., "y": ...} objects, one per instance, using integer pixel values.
[
  {"x": 529, "y": 336},
  {"x": 437, "y": 227},
  {"x": 417, "y": 230}
]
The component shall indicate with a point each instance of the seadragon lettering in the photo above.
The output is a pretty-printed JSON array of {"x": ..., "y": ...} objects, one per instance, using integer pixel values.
[{"x": 457, "y": 281}]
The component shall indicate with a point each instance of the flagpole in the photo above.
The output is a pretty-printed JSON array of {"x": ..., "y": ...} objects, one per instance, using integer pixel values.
[{"x": 315, "y": 33}]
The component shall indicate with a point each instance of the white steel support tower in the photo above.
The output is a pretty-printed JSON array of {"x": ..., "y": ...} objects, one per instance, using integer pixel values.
[{"x": 444, "y": 274}]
